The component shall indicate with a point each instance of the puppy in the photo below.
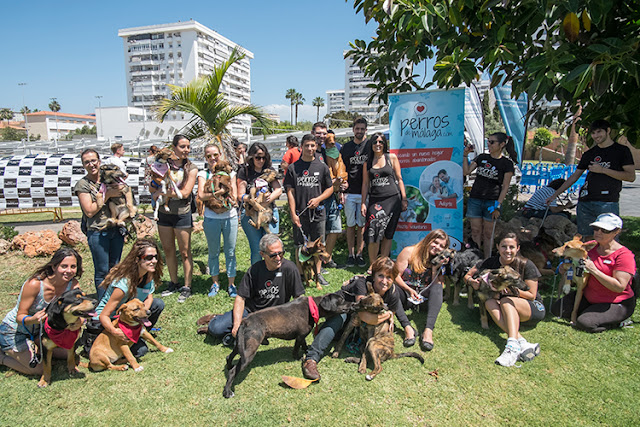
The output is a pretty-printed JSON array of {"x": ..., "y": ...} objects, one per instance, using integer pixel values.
[
  {"x": 574, "y": 252},
  {"x": 461, "y": 263},
  {"x": 256, "y": 205},
  {"x": 109, "y": 352},
  {"x": 162, "y": 179},
  {"x": 307, "y": 256},
  {"x": 219, "y": 184},
  {"x": 291, "y": 321},
  {"x": 120, "y": 208},
  {"x": 492, "y": 282},
  {"x": 62, "y": 329}
]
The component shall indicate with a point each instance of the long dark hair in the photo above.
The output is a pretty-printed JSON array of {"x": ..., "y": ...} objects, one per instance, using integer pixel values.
[
  {"x": 49, "y": 268},
  {"x": 370, "y": 142},
  {"x": 252, "y": 152},
  {"x": 510, "y": 146}
]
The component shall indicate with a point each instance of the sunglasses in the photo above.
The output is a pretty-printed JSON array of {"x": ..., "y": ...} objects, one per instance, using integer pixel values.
[
  {"x": 275, "y": 254},
  {"x": 212, "y": 156},
  {"x": 259, "y": 158},
  {"x": 491, "y": 141},
  {"x": 602, "y": 230},
  {"x": 149, "y": 257},
  {"x": 378, "y": 142}
]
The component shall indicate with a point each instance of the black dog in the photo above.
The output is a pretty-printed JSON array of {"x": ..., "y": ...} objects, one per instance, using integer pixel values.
[
  {"x": 290, "y": 321},
  {"x": 459, "y": 265},
  {"x": 61, "y": 329}
]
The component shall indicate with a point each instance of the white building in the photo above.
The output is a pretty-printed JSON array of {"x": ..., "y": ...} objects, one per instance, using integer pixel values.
[
  {"x": 335, "y": 101},
  {"x": 130, "y": 123},
  {"x": 177, "y": 53},
  {"x": 50, "y": 125},
  {"x": 356, "y": 96}
]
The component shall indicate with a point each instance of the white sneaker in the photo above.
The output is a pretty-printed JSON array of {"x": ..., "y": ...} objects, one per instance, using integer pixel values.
[
  {"x": 509, "y": 356},
  {"x": 528, "y": 351}
]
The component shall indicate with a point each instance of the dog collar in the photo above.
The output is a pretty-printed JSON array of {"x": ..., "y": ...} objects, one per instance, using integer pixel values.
[
  {"x": 485, "y": 278},
  {"x": 64, "y": 338},
  {"x": 160, "y": 168},
  {"x": 223, "y": 173},
  {"x": 131, "y": 332},
  {"x": 302, "y": 257},
  {"x": 315, "y": 313}
]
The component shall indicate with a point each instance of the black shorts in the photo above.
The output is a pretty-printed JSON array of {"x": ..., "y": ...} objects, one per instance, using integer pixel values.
[
  {"x": 312, "y": 230},
  {"x": 537, "y": 313},
  {"x": 184, "y": 221}
]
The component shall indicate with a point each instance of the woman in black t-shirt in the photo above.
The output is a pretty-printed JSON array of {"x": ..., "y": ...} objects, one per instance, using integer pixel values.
[{"x": 493, "y": 175}]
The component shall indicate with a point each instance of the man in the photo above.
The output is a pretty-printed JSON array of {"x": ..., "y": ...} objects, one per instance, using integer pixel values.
[
  {"x": 453, "y": 189},
  {"x": 331, "y": 156},
  {"x": 118, "y": 151},
  {"x": 308, "y": 184},
  {"x": 268, "y": 283},
  {"x": 354, "y": 156},
  {"x": 609, "y": 163}
]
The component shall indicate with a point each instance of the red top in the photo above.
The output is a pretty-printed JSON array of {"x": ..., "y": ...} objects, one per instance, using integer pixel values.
[
  {"x": 291, "y": 156},
  {"x": 620, "y": 260}
]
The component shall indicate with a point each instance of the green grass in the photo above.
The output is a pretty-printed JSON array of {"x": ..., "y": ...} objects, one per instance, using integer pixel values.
[{"x": 578, "y": 379}]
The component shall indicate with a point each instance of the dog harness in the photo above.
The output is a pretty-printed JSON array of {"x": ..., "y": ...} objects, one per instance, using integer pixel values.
[
  {"x": 315, "y": 314},
  {"x": 64, "y": 338},
  {"x": 131, "y": 332}
]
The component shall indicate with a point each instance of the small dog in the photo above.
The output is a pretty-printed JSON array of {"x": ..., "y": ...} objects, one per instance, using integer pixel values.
[
  {"x": 575, "y": 252},
  {"x": 256, "y": 205},
  {"x": 219, "y": 184},
  {"x": 307, "y": 256},
  {"x": 161, "y": 175},
  {"x": 461, "y": 263},
  {"x": 61, "y": 328},
  {"x": 109, "y": 352},
  {"x": 120, "y": 208},
  {"x": 492, "y": 282},
  {"x": 291, "y": 321}
]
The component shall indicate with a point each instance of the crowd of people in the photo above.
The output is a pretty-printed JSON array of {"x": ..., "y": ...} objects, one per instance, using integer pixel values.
[{"x": 320, "y": 178}]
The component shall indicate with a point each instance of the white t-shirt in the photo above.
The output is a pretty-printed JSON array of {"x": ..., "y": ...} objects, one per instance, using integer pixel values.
[{"x": 208, "y": 213}]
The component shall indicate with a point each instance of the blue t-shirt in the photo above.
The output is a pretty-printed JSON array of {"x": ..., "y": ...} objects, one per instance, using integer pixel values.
[{"x": 123, "y": 285}]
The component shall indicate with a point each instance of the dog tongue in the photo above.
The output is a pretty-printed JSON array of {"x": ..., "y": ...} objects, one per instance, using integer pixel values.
[{"x": 145, "y": 322}]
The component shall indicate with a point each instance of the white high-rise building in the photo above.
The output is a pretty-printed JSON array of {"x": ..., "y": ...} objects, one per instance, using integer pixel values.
[
  {"x": 356, "y": 96},
  {"x": 335, "y": 101},
  {"x": 157, "y": 55}
]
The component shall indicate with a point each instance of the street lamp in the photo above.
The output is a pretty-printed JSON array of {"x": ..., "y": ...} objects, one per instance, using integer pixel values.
[
  {"x": 99, "y": 97},
  {"x": 24, "y": 111}
]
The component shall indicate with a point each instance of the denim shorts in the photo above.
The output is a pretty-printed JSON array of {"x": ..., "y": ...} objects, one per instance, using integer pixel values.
[
  {"x": 479, "y": 208},
  {"x": 587, "y": 212},
  {"x": 10, "y": 339},
  {"x": 183, "y": 221},
  {"x": 334, "y": 220}
]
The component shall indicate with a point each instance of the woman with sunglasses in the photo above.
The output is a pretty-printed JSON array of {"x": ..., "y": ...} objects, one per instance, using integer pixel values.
[
  {"x": 223, "y": 221},
  {"x": 382, "y": 182},
  {"x": 608, "y": 297},
  {"x": 493, "y": 175},
  {"x": 134, "y": 277},
  {"x": 258, "y": 162}
]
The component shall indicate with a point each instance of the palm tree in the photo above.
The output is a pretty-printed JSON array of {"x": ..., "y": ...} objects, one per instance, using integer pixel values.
[
  {"x": 291, "y": 95},
  {"x": 318, "y": 102},
  {"x": 212, "y": 113},
  {"x": 54, "y": 106},
  {"x": 6, "y": 114},
  {"x": 298, "y": 100}
]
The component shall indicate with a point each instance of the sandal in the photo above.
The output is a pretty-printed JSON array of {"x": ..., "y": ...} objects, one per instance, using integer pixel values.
[{"x": 409, "y": 342}]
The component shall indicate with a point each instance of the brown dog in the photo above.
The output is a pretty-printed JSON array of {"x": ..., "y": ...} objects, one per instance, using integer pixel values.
[
  {"x": 109, "y": 352},
  {"x": 337, "y": 169},
  {"x": 492, "y": 282},
  {"x": 62, "y": 329},
  {"x": 290, "y": 321},
  {"x": 120, "y": 208},
  {"x": 219, "y": 184},
  {"x": 162, "y": 179},
  {"x": 256, "y": 205},
  {"x": 307, "y": 256},
  {"x": 575, "y": 251}
]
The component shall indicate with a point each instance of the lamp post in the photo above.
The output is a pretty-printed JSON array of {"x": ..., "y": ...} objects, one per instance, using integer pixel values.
[
  {"x": 24, "y": 111},
  {"x": 99, "y": 97}
]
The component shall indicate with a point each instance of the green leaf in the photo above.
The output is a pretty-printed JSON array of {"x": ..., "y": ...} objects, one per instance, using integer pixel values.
[
  {"x": 576, "y": 72},
  {"x": 601, "y": 81},
  {"x": 598, "y": 48},
  {"x": 454, "y": 16}
]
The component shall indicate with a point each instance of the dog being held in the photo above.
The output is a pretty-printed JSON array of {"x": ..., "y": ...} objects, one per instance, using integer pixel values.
[
  {"x": 461, "y": 263},
  {"x": 162, "y": 179},
  {"x": 62, "y": 328},
  {"x": 120, "y": 208},
  {"x": 492, "y": 283},
  {"x": 574, "y": 252},
  {"x": 219, "y": 184},
  {"x": 291, "y": 321},
  {"x": 110, "y": 352},
  {"x": 337, "y": 169},
  {"x": 308, "y": 254},
  {"x": 256, "y": 204}
]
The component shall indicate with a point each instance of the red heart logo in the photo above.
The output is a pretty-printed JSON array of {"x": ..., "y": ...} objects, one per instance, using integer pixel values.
[{"x": 420, "y": 109}]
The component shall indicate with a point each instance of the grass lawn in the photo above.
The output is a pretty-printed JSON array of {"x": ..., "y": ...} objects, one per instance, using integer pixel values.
[{"x": 578, "y": 379}]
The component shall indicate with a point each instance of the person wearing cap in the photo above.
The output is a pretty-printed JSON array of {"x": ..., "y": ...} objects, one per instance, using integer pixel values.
[{"x": 608, "y": 297}]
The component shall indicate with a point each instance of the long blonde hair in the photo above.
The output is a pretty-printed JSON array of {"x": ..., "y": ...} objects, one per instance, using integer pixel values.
[{"x": 420, "y": 259}]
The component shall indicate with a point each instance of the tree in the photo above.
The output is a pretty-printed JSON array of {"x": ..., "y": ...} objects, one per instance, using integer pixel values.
[
  {"x": 6, "y": 114},
  {"x": 318, "y": 102},
  {"x": 298, "y": 100},
  {"x": 25, "y": 110},
  {"x": 492, "y": 119},
  {"x": 341, "y": 119},
  {"x": 291, "y": 95},
  {"x": 54, "y": 105},
  {"x": 211, "y": 112},
  {"x": 581, "y": 52},
  {"x": 541, "y": 138}
]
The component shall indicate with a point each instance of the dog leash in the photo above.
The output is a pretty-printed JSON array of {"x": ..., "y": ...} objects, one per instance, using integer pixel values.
[{"x": 36, "y": 357}]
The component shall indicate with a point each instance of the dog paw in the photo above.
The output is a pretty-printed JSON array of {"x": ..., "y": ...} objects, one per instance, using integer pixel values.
[
  {"x": 169, "y": 350},
  {"x": 369, "y": 377},
  {"x": 334, "y": 355},
  {"x": 42, "y": 384},
  {"x": 228, "y": 394},
  {"x": 139, "y": 369}
]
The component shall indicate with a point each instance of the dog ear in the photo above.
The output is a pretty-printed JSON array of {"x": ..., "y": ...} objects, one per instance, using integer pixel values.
[
  {"x": 589, "y": 245},
  {"x": 369, "y": 287},
  {"x": 329, "y": 302}
]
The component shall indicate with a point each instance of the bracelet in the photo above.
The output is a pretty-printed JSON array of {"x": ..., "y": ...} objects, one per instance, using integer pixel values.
[{"x": 23, "y": 319}]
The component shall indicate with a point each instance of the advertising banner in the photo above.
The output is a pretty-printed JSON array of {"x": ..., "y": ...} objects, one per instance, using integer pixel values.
[
  {"x": 513, "y": 112},
  {"x": 426, "y": 132}
]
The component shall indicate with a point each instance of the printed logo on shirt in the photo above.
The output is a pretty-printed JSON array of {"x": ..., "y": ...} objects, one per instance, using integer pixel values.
[
  {"x": 268, "y": 283},
  {"x": 380, "y": 182},
  {"x": 488, "y": 171},
  {"x": 306, "y": 180},
  {"x": 270, "y": 292},
  {"x": 598, "y": 160},
  {"x": 358, "y": 159}
]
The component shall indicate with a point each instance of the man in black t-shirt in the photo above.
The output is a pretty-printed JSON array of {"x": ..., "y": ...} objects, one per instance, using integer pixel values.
[
  {"x": 268, "y": 283},
  {"x": 609, "y": 163},
  {"x": 308, "y": 184}
]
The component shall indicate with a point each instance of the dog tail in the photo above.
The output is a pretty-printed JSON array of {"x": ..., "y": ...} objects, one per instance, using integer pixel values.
[{"x": 410, "y": 354}]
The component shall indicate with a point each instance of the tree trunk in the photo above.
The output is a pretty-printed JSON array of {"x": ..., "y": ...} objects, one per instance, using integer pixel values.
[
  {"x": 296, "y": 114},
  {"x": 572, "y": 144}
]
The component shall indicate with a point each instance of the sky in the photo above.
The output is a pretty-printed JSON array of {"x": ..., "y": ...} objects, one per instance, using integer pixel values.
[{"x": 70, "y": 50}]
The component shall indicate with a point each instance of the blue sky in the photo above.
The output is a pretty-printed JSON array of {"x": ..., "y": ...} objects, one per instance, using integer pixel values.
[{"x": 70, "y": 50}]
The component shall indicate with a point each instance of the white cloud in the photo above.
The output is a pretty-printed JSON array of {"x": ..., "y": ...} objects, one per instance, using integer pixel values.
[{"x": 305, "y": 112}]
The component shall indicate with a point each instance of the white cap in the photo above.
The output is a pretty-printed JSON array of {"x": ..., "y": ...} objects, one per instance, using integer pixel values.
[{"x": 607, "y": 221}]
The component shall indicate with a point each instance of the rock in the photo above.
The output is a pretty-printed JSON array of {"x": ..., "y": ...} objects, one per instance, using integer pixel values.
[
  {"x": 35, "y": 243},
  {"x": 72, "y": 234},
  {"x": 5, "y": 245},
  {"x": 197, "y": 226},
  {"x": 145, "y": 228}
]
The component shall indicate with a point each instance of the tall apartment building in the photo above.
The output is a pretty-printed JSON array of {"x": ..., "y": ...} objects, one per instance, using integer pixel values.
[
  {"x": 335, "y": 101},
  {"x": 157, "y": 55},
  {"x": 356, "y": 92}
]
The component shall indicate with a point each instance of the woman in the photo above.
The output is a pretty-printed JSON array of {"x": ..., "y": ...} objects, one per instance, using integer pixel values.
[
  {"x": 134, "y": 277},
  {"x": 177, "y": 224},
  {"x": 608, "y": 297},
  {"x": 292, "y": 155},
  {"x": 20, "y": 329},
  {"x": 494, "y": 172},
  {"x": 105, "y": 243},
  {"x": 382, "y": 181},
  {"x": 509, "y": 311},
  {"x": 240, "y": 149},
  {"x": 420, "y": 281},
  {"x": 220, "y": 221},
  {"x": 258, "y": 161}
]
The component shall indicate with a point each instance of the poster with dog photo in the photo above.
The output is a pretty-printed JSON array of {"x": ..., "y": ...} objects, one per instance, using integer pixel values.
[{"x": 426, "y": 132}]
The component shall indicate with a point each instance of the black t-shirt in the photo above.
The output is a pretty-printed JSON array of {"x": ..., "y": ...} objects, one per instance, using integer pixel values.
[
  {"x": 309, "y": 180},
  {"x": 599, "y": 187},
  {"x": 530, "y": 271},
  {"x": 358, "y": 286},
  {"x": 354, "y": 157},
  {"x": 262, "y": 288},
  {"x": 489, "y": 176}
]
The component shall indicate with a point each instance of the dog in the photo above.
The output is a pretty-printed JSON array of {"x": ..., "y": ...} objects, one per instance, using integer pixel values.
[
  {"x": 256, "y": 205},
  {"x": 492, "y": 282},
  {"x": 291, "y": 321},
  {"x": 574, "y": 252},
  {"x": 219, "y": 184},
  {"x": 109, "y": 352},
  {"x": 161, "y": 179},
  {"x": 307, "y": 256},
  {"x": 459, "y": 265},
  {"x": 120, "y": 208},
  {"x": 62, "y": 329},
  {"x": 337, "y": 169}
]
